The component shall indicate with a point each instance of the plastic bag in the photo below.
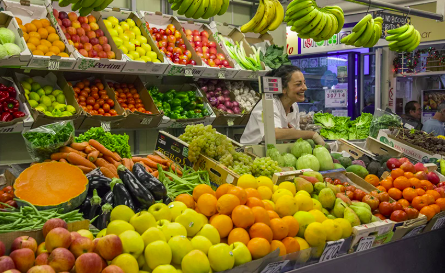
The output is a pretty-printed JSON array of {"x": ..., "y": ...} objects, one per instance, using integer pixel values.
[
  {"x": 306, "y": 119},
  {"x": 45, "y": 140},
  {"x": 383, "y": 120}
]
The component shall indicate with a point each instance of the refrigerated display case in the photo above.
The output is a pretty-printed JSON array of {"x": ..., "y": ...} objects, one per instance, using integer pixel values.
[{"x": 430, "y": 100}]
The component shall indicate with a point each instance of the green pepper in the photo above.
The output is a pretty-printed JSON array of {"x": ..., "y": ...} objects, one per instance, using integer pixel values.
[
  {"x": 199, "y": 115},
  {"x": 178, "y": 109},
  {"x": 205, "y": 112},
  {"x": 166, "y": 106},
  {"x": 169, "y": 96},
  {"x": 174, "y": 115},
  {"x": 191, "y": 106},
  {"x": 167, "y": 113},
  {"x": 199, "y": 100},
  {"x": 191, "y": 95},
  {"x": 200, "y": 106},
  {"x": 159, "y": 105},
  {"x": 185, "y": 102},
  {"x": 191, "y": 114},
  {"x": 181, "y": 95},
  {"x": 175, "y": 102}
]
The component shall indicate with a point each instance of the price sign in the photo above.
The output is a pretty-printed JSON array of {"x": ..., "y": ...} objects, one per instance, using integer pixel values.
[
  {"x": 439, "y": 223},
  {"x": 230, "y": 121},
  {"x": 53, "y": 65},
  {"x": 275, "y": 267},
  {"x": 146, "y": 121},
  {"x": 331, "y": 250},
  {"x": 253, "y": 75},
  {"x": 365, "y": 243},
  {"x": 105, "y": 125},
  {"x": 336, "y": 98},
  {"x": 188, "y": 72},
  {"x": 414, "y": 231},
  {"x": 222, "y": 74}
]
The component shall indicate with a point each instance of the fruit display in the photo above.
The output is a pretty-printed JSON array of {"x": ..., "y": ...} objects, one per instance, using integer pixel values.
[
  {"x": 179, "y": 105},
  {"x": 7, "y": 43},
  {"x": 403, "y": 39},
  {"x": 238, "y": 53},
  {"x": 365, "y": 33},
  {"x": 84, "y": 34},
  {"x": 206, "y": 49},
  {"x": 128, "y": 38},
  {"x": 9, "y": 105},
  {"x": 311, "y": 21},
  {"x": 128, "y": 97},
  {"x": 86, "y": 7},
  {"x": 42, "y": 38},
  {"x": 46, "y": 99},
  {"x": 268, "y": 17},
  {"x": 333, "y": 127},
  {"x": 93, "y": 97},
  {"x": 200, "y": 9},
  {"x": 218, "y": 95}
]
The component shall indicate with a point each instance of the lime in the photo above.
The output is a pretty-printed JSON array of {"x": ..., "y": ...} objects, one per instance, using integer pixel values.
[
  {"x": 41, "y": 92},
  {"x": 60, "y": 98},
  {"x": 56, "y": 92},
  {"x": 41, "y": 108},
  {"x": 53, "y": 99},
  {"x": 34, "y": 96},
  {"x": 47, "y": 113},
  {"x": 33, "y": 103},
  {"x": 45, "y": 100},
  {"x": 26, "y": 85},
  {"x": 54, "y": 103},
  {"x": 48, "y": 89},
  {"x": 66, "y": 114},
  {"x": 35, "y": 86},
  {"x": 50, "y": 108}
]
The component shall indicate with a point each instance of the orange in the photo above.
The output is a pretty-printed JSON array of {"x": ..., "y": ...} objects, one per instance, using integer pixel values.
[
  {"x": 33, "y": 40},
  {"x": 441, "y": 203},
  {"x": 240, "y": 193},
  {"x": 38, "y": 52},
  {"x": 37, "y": 23},
  {"x": 409, "y": 194},
  {"x": 50, "y": 29},
  {"x": 223, "y": 224},
  {"x": 381, "y": 188},
  {"x": 272, "y": 214},
  {"x": 261, "y": 230},
  {"x": 258, "y": 247},
  {"x": 372, "y": 179},
  {"x": 435, "y": 207},
  {"x": 267, "y": 205},
  {"x": 279, "y": 228},
  {"x": 401, "y": 183},
  {"x": 221, "y": 190},
  {"x": 207, "y": 204},
  {"x": 403, "y": 202},
  {"x": 414, "y": 182},
  {"x": 426, "y": 185},
  {"x": 238, "y": 235},
  {"x": 277, "y": 244},
  {"x": 187, "y": 199},
  {"x": 25, "y": 36},
  {"x": 434, "y": 193},
  {"x": 200, "y": 190},
  {"x": 23, "y": 28},
  {"x": 19, "y": 21},
  {"x": 261, "y": 215},
  {"x": 30, "y": 27},
  {"x": 53, "y": 37},
  {"x": 428, "y": 211},
  {"x": 35, "y": 34},
  {"x": 420, "y": 191},
  {"x": 397, "y": 173},
  {"x": 63, "y": 54},
  {"x": 45, "y": 42},
  {"x": 386, "y": 183},
  {"x": 254, "y": 202},
  {"x": 43, "y": 48},
  {"x": 408, "y": 175},
  {"x": 227, "y": 203},
  {"x": 243, "y": 217},
  {"x": 54, "y": 49},
  {"x": 213, "y": 216},
  {"x": 31, "y": 47},
  {"x": 292, "y": 225},
  {"x": 253, "y": 193},
  {"x": 291, "y": 244},
  {"x": 45, "y": 22},
  {"x": 196, "y": 208},
  {"x": 419, "y": 202},
  {"x": 43, "y": 33},
  {"x": 429, "y": 198},
  {"x": 49, "y": 53},
  {"x": 395, "y": 193}
]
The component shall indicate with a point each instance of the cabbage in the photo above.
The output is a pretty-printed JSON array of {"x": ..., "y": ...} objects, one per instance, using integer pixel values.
[
  {"x": 12, "y": 49},
  {"x": 324, "y": 157},
  {"x": 274, "y": 154},
  {"x": 6, "y": 35},
  {"x": 300, "y": 148},
  {"x": 289, "y": 160},
  {"x": 3, "y": 52},
  {"x": 308, "y": 161}
]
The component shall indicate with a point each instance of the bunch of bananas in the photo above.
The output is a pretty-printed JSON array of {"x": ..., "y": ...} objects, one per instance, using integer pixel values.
[
  {"x": 200, "y": 8},
  {"x": 268, "y": 17},
  {"x": 365, "y": 33},
  {"x": 85, "y": 7},
  {"x": 404, "y": 38},
  {"x": 311, "y": 21}
]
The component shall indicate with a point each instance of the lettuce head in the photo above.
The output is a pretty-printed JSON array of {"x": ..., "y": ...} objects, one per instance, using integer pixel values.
[
  {"x": 3, "y": 52},
  {"x": 12, "y": 49},
  {"x": 6, "y": 36}
]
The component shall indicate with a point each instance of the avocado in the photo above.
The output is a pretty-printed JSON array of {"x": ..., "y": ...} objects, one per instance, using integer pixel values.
[
  {"x": 345, "y": 161},
  {"x": 336, "y": 155},
  {"x": 358, "y": 170},
  {"x": 374, "y": 167}
]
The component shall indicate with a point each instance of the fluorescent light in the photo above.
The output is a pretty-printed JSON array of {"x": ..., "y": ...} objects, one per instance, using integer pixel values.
[{"x": 338, "y": 59}]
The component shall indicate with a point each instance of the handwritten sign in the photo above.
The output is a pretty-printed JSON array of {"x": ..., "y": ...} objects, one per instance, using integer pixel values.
[
  {"x": 365, "y": 243},
  {"x": 336, "y": 98},
  {"x": 105, "y": 125},
  {"x": 391, "y": 21},
  {"x": 331, "y": 250},
  {"x": 53, "y": 65}
]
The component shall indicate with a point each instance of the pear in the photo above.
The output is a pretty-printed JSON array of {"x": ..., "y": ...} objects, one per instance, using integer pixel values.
[
  {"x": 303, "y": 184},
  {"x": 351, "y": 217},
  {"x": 363, "y": 214},
  {"x": 319, "y": 186},
  {"x": 375, "y": 219},
  {"x": 333, "y": 187},
  {"x": 315, "y": 196},
  {"x": 362, "y": 205},
  {"x": 339, "y": 208},
  {"x": 314, "y": 174},
  {"x": 325, "y": 211},
  {"x": 327, "y": 198},
  {"x": 330, "y": 216}
]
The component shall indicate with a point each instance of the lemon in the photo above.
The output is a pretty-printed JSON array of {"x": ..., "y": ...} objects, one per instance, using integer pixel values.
[
  {"x": 303, "y": 193},
  {"x": 286, "y": 205},
  {"x": 118, "y": 226},
  {"x": 247, "y": 181},
  {"x": 316, "y": 204},
  {"x": 303, "y": 244},
  {"x": 304, "y": 202},
  {"x": 315, "y": 234},
  {"x": 304, "y": 218},
  {"x": 280, "y": 193},
  {"x": 317, "y": 251},
  {"x": 265, "y": 192},
  {"x": 121, "y": 212},
  {"x": 271, "y": 203},
  {"x": 288, "y": 186},
  {"x": 102, "y": 233},
  {"x": 275, "y": 188},
  {"x": 265, "y": 181},
  {"x": 345, "y": 226},
  {"x": 318, "y": 215},
  {"x": 304, "y": 254},
  {"x": 332, "y": 229}
]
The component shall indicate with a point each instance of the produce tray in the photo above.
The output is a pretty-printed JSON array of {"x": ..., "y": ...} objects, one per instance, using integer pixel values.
[
  {"x": 352, "y": 149},
  {"x": 8, "y": 21}
]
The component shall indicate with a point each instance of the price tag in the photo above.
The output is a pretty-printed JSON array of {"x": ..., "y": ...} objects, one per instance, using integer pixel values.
[
  {"x": 222, "y": 74},
  {"x": 53, "y": 64},
  {"x": 414, "y": 231},
  {"x": 230, "y": 121},
  {"x": 146, "y": 121},
  {"x": 253, "y": 75},
  {"x": 365, "y": 243},
  {"x": 336, "y": 98},
  {"x": 105, "y": 125},
  {"x": 188, "y": 72},
  {"x": 331, "y": 250},
  {"x": 275, "y": 267},
  {"x": 439, "y": 223}
]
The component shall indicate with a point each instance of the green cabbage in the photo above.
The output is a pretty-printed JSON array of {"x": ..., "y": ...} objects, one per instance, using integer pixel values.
[
  {"x": 3, "y": 52},
  {"x": 289, "y": 160},
  {"x": 308, "y": 161},
  {"x": 301, "y": 147},
  {"x": 12, "y": 49},
  {"x": 324, "y": 157},
  {"x": 6, "y": 35},
  {"x": 274, "y": 154}
]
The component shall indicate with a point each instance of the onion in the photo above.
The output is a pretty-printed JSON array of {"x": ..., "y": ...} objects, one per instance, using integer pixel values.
[
  {"x": 229, "y": 111},
  {"x": 228, "y": 104},
  {"x": 218, "y": 89},
  {"x": 208, "y": 96},
  {"x": 226, "y": 92},
  {"x": 221, "y": 99},
  {"x": 204, "y": 88},
  {"x": 222, "y": 107},
  {"x": 235, "y": 104},
  {"x": 236, "y": 109},
  {"x": 211, "y": 87},
  {"x": 212, "y": 94},
  {"x": 213, "y": 101},
  {"x": 226, "y": 99},
  {"x": 214, "y": 81}
]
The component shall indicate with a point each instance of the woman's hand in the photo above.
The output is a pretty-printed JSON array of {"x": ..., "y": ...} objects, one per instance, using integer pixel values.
[{"x": 318, "y": 139}]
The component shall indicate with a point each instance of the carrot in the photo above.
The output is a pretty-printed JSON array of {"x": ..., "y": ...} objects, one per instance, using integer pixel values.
[
  {"x": 66, "y": 149},
  {"x": 58, "y": 156},
  {"x": 93, "y": 156},
  {"x": 155, "y": 174},
  {"x": 89, "y": 149},
  {"x": 103, "y": 163},
  {"x": 157, "y": 159},
  {"x": 101, "y": 148},
  {"x": 136, "y": 159},
  {"x": 105, "y": 171},
  {"x": 79, "y": 146},
  {"x": 63, "y": 160},
  {"x": 76, "y": 159},
  {"x": 112, "y": 161},
  {"x": 151, "y": 163},
  {"x": 126, "y": 163},
  {"x": 174, "y": 168},
  {"x": 84, "y": 168},
  {"x": 117, "y": 156},
  {"x": 131, "y": 164},
  {"x": 148, "y": 169}
]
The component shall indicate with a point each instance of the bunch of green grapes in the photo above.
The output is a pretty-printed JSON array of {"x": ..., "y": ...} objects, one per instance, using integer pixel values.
[
  {"x": 264, "y": 166},
  {"x": 193, "y": 131}
]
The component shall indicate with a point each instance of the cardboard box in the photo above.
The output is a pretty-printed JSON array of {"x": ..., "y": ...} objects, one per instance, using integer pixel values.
[
  {"x": 258, "y": 39},
  {"x": 29, "y": 13},
  {"x": 57, "y": 81},
  {"x": 139, "y": 67},
  {"x": 372, "y": 147},
  {"x": 8, "y": 21},
  {"x": 134, "y": 120},
  {"x": 159, "y": 20},
  {"x": 359, "y": 232}
]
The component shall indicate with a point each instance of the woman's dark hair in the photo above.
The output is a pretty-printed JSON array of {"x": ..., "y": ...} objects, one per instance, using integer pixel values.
[{"x": 284, "y": 72}]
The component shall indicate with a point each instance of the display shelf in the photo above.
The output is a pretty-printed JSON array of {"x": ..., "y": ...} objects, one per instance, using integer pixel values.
[{"x": 420, "y": 74}]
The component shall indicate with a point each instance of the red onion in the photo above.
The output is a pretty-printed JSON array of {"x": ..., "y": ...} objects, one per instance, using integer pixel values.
[
  {"x": 204, "y": 88},
  {"x": 211, "y": 87},
  {"x": 226, "y": 92},
  {"x": 221, "y": 99},
  {"x": 213, "y": 101},
  {"x": 226, "y": 99},
  {"x": 222, "y": 107},
  {"x": 212, "y": 94},
  {"x": 208, "y": 96},
  {"x": 218, "y": 89},
  {"x": 228, "y": 104},
  {"x": 229, "y": 111},
  {"x": 236, "y": 110},
  {"x": 235, "y": 104}
]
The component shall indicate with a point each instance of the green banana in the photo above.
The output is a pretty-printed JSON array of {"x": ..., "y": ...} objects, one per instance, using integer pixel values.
[
  {"x": 175, "y": 6},
  {"x": 338, "y": 13},
  {"x": 408, "y": 33},
  {"x": 356, "y": 35},
  {"x": 202, "y": 9},
  {"x": 184, "y": 6},
  {"x": 301, "y": 13},
  {"x": 378, "y": 31},
  {"x": 85, "y": 11},
  {"x": 412, "y": 43},
  {"x": 293, "y": 3},
  {"x": 362, "y": 23},
  {"x": 193, "y": 8},
  {"x": 210, "y": 10},
  {"x": 364, "y": 38},
  {"x": 103, "y": 5},
  {"x": 87, "y": 3},
  {"x": 224, "y": 7},
  {"x": 398, "y": 30},
  {"x": 327, "y": 28},
  {"x": 218, "y": 7},
  {"x": 345, "y": 40},
  {"x": 371, "y": 40},
  {"x": 64, "y": 3},
  {"x": 320, "y": 26},
  {"x": 98, "y": 3},
  {"x": 417, "y": 43},
  {"x": 296, "y": 8},
  {"x": 76, "y": 6},
  {"x": 394, "y": 37},
  {"x": 334, "y": 26},
  {"x": 313, "y": 23},
  {"x": 306, "y": 19}
]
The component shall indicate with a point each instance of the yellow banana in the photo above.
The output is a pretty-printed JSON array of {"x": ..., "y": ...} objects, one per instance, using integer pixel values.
[
  {"x": 279, "y": 14},
  {"x": 269, "y": 13},
  {"x": 249, "y": 26}
]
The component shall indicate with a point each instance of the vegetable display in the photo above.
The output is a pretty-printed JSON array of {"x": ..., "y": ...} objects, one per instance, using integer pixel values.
[
  {"x": 93, "y": 98},
  {"x": 218, "y": 95},
  {"x": 383, "y": 120},
  {"x": 7, "y": 43},
  {"x": 342, "y": 127},
  {"x": 237, "y": 53},
  {"x": 113, "y": 142},
  {"x": 421, "y": 139},
  {"x": 275, "y": 57},
  {"x": 127, "y": 96},
  {"x": 9, "y": 105}
]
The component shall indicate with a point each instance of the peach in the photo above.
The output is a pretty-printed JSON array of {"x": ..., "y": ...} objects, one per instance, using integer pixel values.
[
  {"x": 58, "y": 237},
  {"x": 84, "y": 39},
  {"x": 23, "y": 259},
  {"x": 99, "y": 33},
  {"x": 81, "y": 245},
  {"x": 86, "y": 27},
  {"x": 75, "y": 38},
  {"x": 102, "y": 55},
  {"x": 91, "y": 34},
  {"x": 71, "y": 31},
  {"x": 12, "y": 271},
  {"x": 61, "y": 259},
  {"x": 92, "y": 53},
  {"x": 109, "y": 247},
  {"x": 75, "y": 235},
  {"x": 83, "y": 20},
  {"x": 106, "y": 47},
  {"x": 111, "y": 55},
  {"x": 98, "y": 48},
  {"x": 6, "y": 263},
  {"x": 95, "y": 242},
  {"x": 83, "y": 52},
  {"x": 87, "y": 46},
  {"x": 53, "y": 223},
  {"x": 103, "y": 40},
  {"x": 42, "y": 259},
  {"x": 76, "y": 24},
  {"x": 24, "y": 242},
  {"x": 112, "y": 269},
  {"x": 94, "y": 26},
  {"x": 81, "y": 32},
  {"x": 72, "y": 16}
]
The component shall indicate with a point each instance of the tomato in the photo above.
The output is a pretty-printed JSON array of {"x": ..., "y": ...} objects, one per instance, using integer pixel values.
[
  {"x": 83, "y": 93},
  {"x": 411, "y": 213},
  {"x": 7, "y": 189},
  {"x": 372, "y": 201},
  {"x": 102, "y": 92},
  {"x": 101, "y": 111},
  {"x": 94, "y": 89},
  {"x": 91, "y": 101},
  {"x": 113, "y": 112},
  {"x": 382, "y": 196},
  {"x": 148, "y": 112},
  {"x": 100, "y": 101},
  {"x": 122, "y": 95},
  {"x": 12, "y": 203},
  {"x": 89, "y": 107},
  {"x": 106, "y": 107},
  {"x": 110, "y": 102},
  {"x": 350, "y": 188},
  {"x": 359, "y": 194},
  {"x": 346, "y": 184},
  {"x": 350, "y": 194},
  {"x": 107, "y": 115},
  {"x": 82, "y": 98},
  {"x": 95, "y": 96},
  {"x": 104, "y": 97},
  {"x": 396, "y": 206},
  {"x": 141, "y": 109},
  {"x": 399, "y": 216},
  {"x": 327, "y": 179},
  {"x": 87, "y": 89},
  {"x": 82, "y": 103},
  {"x": 337, "y": 182},
  {"x": 138, "y": 101},
  {"x": 380, "y": 216},
  {"x": 139, "y": 105},
  {"x": 4, "y": 197},
  {"x": 96, "y": 106}
]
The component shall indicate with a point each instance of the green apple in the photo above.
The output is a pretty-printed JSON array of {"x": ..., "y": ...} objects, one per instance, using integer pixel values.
[
  {"x": 132, "y": 243},
  {"x": 60, "y": 107},
  {"x": 191, "y": 220},
  {"x": 52, "y": 98},
  {"x": 29, "y": 80},
  {"x": 34, "y": 96},
  {"x": 195, "y": 262},
  {"x": 121, "y": 212},
  {"x": 45, "y": 100},
  {"x": 147, "y": 47},
  {"x": 152, "y": 55},
  {"x": 86, "y": 233},
  {"x": 127, "y": 263},
  {"x": 118, "y": 226},
  {"x": 211, "y": 233},
  {"x": 241, "y": 253},
  {"x": 33, "y": 103},
  {"x": 176, "y": 208},
  {"x": 56, "y": 92},
  {"x": 160, "y": 211},
  {"x": 124, "y": 26},
  {"x": 153, "y": 234},
  {"x": 119, "y": 30},
  {"x": 118, "y": 41},
  {"x": 221, "y": 257},
  {"x": 135, "y": 56},
  {"x": 102, "y": 233},
  {"x": 180, "y": 246},
  {"x": 161, "y": 223},
  {"x": 142, "y": 221},
  {"x": 141, "y": 39},
  {"x": 27, "y": 91},
  {"x": 48, "y": 89},
  {"x": 201, "y": 243},
  {"x": 124, "y": 49},
  {"x": 129, "y": 45},
  {"x": 173, "y": 229},
  {"x": 130, "y": 34},
  {"x": 157, "y": 253},
  {"x": 166, "y": 268},
  {"x": 136, "y": 30}
]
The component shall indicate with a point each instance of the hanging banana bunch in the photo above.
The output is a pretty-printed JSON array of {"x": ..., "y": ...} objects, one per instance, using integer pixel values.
[
  {"x": 365, "y": 33},
  {"x": 85, "y": 7},
  {"x": 200, "y": 8},
  {"x": 268, "y": 17},
  {"x": 311, "y": 21},
  {"x": 404, "y": 38}
]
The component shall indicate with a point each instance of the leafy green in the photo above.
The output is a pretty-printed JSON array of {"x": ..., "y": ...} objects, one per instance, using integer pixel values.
[
  {"x": 114, "y": 143},
  {"x": 359, "y": 128},
  {"x": 384, "y": 122},
  {"x": 275, "y": 57},
  {"x": 343, "y": 127}
]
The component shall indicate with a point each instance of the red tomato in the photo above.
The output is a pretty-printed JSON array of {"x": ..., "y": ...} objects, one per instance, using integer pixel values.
[
  {"x": 83, "y": 93},
  {"x": 106, "y": 107},
  {"x": 386, "y": 208},
  {"x": 107, "y": 115},
  {"x": 411, "y": 213},
  {"x": 82, "y": 98},
  {"x": 359, "y": 194},
  {"x": 337, "y": 182},
  {"x": 113, "y": 112},
  {"x": 4, "y": 197},
  {"x": 101, "y": 111},
  {"x": 96, "y": 106},
  {"x": 91, "y": 101},
  {"x": 7, "y": 189},
  {"x": 372, "y": 201},
  {"x": 110, "y": 102},
  {"x": 95, "y": 96},
  {"x": 89, "y": 107},
  {"x": 102, "y": 92},
  {"x": 101, "y": 102},
  {"x": 399, "y": 216},
  {"x": 104, "y": 97},
  {"x": 12, "y": 203}
]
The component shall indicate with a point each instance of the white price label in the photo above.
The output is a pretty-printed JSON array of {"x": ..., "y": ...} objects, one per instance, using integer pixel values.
[
  {"x": 414, "y": 231},
  {"x": 336, "y": 98},
  {"x": 222, "y": 75},
  {"x": 254, "y": 75},
  {"x": 331, "y": 250},
  {"x": 53, "y": 65},
  {"x": 146, "y": 121},
  {"x": 439, "y": 223},
  {"x": 188, "y": 72},
  {"x": 105, "y": 125},
  {"x": 275, "y": 267},
  {"x": 365, "y": 243}
]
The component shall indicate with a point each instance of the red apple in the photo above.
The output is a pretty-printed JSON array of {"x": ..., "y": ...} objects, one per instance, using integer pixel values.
[
  {"x": 77, "y": 39},
  {"x": 171, "y": 38},
  {"x": 63, "y": 29},
  {"x": 59, "y": 22},
  {"x": 217, "y": 61},
  {"x": 183, "y": 47},
  {"x": 91, "y": 19},
  {"x": 421, "y": 175},
  {"x": 2, "y": 249},
  {"x": 81, "y": 245},
  {"x": 89, "y": 263},
  {"x": 420, "y": 167},
  {"x": 24, "y": 242},
  {"x": 83, "y": 52},
  {"x": 162, "y": 31},
  {"x": 204, "y": 39},
  {"x": 71, "y": 31},
  {"x": 104, "y": 263},
  {"x": 111, "y": 55},
  {"x": 41, "y": 249},
  {"x": 204, "y": 44},
  {"x": 393, "y": 163},
  {"x": 197, "y": 53},
  {"x": 112, "y": 269},
  {"x": 193, "y": 44},
  {"x": 84, "y": 39},
  {"x": 81, "y": 32},
  {"x": 171, "y": 27},
  {"x": 75, "y": 235},
  {"x": 204, "y": 33},
  {"x": 196, "y": 33},
  {"x": 213, "y": 50},
  {"x": 106, "y": 47},
  {"x": 192, "y": 62},
  {"x": 23, "y": 259},
  {"x": 83, "y": 20},
  {"x": 212, "y": 44},
  {"x": 87, "y": 46},
  {"x": 198, "y": 44},
  {"x": 170, "y": 49},
  {"x": 196, "y": 39},
  {"x": 99, "y": 33},
  {"x": 220, "y": 56},
  {"x": 171, "y": 44},
  {"x": 189, "y": 38},
  {"x": 41, "y": 269},
  {"x": 58, "y": 237},
  {"x": 206, "y": 55},
  {"x": 61, "y": 259},
  {"x": 6, "y": 263},
  {"x": 98, "y": 47},
  {"x": 211, "y": 62},
  {"x": 66, "y": 23},
  {"x": 433, "y": 178},
  {"x": 78, "y": 46},
  {"x": 94, "y": 41},
  {"x": 91, "y": 34},
  {"x": 76, "y": 24},
  {"x": 92, "y": 53},
  {"x": 109, "y": 247},
  {"x": 42, "y": 259},
  {"x": 408, "y": 167},
  {"x": 102, "y": 55},
  {"x": 56, "y": 13},
  {"x": 225, "y": 63},
  {"x": 86, "y": 27},
  {"x": 168, "y": 32},
  {"x": 72, "y": 16},
  {"x": 94, "y": 26},
  {"x": 205, "y": 49}
]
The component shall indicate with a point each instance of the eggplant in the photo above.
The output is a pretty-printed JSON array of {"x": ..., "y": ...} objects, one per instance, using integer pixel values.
[
  {"x": 140, "y": 193},
  {"x": 85, "y": 207},
  {"x": 103, "y": 219},
  {"x": 150, "y": 182},
  {"x": 121, "y": 196},
  {"x": 167, "y": 200},
  {"x": 95, "y": 205},
  {"x": 99, "y": 183},
  {"x": 108, "y": 198}
]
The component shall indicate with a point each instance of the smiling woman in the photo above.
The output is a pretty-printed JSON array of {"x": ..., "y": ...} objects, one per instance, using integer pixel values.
[{"x": 286, "y": 113}]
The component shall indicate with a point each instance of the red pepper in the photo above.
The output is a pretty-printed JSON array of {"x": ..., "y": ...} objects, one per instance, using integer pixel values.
[
  {"x": 6, "y": 116},
  {"x": 18, "y": 114},
  {"x": 3, "y": 96},
  {"x": 10, "y": 105},
  {"x": 12, "y": 92}
]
